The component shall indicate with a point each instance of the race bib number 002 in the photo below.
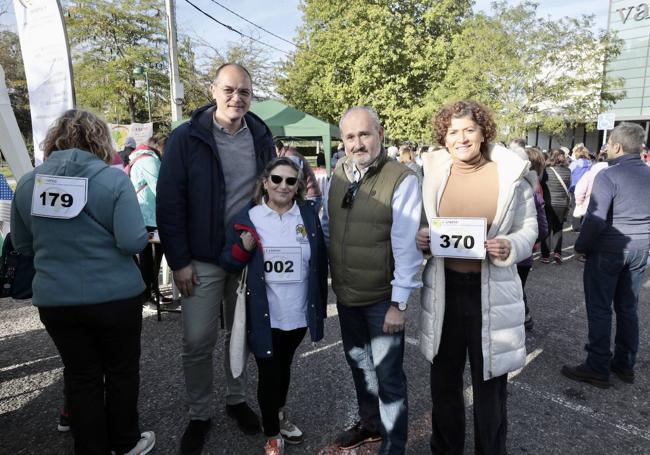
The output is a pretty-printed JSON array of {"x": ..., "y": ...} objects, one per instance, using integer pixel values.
[
  {"x": 283, "y": 264},
  {"x": 462, "y": 238},
  {"x": 59, "y": 197}
]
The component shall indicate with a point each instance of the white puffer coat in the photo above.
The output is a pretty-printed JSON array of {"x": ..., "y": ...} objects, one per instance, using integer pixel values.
[{"x": 503, "y": 334}]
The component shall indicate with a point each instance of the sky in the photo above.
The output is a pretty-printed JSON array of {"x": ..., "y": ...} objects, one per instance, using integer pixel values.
[{"x": 282, "y": 17}]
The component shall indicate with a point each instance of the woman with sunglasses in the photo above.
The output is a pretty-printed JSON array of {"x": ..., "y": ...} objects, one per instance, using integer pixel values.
[{"x": 278, "y": 235}]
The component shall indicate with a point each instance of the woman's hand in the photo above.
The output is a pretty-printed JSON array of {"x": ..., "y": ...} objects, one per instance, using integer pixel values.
[
  {"x": 498, "y": 248},
  {"x": 422, "y": 239},
  {"x": 248, "y": 240}
]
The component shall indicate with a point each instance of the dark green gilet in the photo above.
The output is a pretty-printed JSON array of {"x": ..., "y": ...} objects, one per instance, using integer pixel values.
[{"x": 361, "y": 254}]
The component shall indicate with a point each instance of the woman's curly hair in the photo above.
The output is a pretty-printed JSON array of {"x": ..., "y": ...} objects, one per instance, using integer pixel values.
[
  {"x": 474, "y": 110},
  {"x": 81, "y": 130}
]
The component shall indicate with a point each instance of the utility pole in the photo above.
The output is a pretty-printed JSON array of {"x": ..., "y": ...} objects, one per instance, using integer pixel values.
[{"x": 177, "y": 93}]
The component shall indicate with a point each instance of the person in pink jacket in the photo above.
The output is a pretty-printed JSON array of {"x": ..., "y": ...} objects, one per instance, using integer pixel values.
[{"x": 582, "y": 191}]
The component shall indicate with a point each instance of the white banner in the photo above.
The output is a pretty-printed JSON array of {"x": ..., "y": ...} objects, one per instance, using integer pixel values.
[
  {"x": 47, "y": 64},
  {"x": 141, "y": 132}
]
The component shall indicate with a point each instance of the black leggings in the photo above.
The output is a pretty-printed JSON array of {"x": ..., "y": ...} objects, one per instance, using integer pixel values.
[
  {"x": 274, "y": 376},
  {"x": 556, "y": 217},
  {"x": 150, "y": 259}
]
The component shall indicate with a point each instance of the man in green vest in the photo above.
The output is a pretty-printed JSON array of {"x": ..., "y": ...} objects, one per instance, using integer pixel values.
[{"x": 372, "y": 216}]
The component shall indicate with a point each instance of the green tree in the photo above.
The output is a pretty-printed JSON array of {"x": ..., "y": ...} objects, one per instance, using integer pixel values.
[
  {"x": 532, "y": 71},
  {"x": 11, "y": 61},
  {"x": 109, "y": 38},
  {"x": 385, "y": 53}
]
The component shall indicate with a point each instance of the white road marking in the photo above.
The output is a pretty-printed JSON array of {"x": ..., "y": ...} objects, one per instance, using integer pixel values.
[
  {"x": 529, "y": 358},
  {"x": 316, "y": 351},
  {"x": 468, "y": 394},
  {"x": 31, "y": 362},
  {"x": 584, "y": 410}
]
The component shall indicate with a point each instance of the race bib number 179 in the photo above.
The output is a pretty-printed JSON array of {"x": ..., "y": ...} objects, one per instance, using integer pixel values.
[
  {"x": 59, "y": 197},
  {"x": 462, "y": 238}
]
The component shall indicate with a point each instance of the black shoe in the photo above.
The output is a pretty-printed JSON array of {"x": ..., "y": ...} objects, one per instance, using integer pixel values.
[
  {"x": 194, "y": 437},
  {"x": 64, "y": 422},
  {"x": 247, "y": 420},
  {"x": 623, "y": 374},
  {"x": 585, "y": 374},
  {"x": 356, "y": 436}
]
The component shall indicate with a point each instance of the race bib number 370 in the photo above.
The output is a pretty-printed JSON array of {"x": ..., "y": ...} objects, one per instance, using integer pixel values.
[
  {"x": 59, "y": 197},
  {"x": 462, "y": 238},
  {"x": 283, "y": 264}
]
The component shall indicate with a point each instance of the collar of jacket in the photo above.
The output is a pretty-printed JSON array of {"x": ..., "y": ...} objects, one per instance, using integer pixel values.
[
  {"x": 437, "y": 166},
  {"x": 625, "y": 158}
]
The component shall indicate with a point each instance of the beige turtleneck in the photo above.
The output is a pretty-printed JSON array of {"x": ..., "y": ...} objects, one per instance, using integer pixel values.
[{"x": 471, "y": 191}]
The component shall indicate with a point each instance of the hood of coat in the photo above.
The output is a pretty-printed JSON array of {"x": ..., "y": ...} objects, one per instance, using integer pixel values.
[
  {"x": 71, "y": 163},
  {"x": 437, "y": 165}
]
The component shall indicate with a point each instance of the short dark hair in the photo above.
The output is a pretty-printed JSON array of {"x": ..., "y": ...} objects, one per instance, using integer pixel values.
[
  {"x": 520, "y": 142},
  {"x": 630, "y": 136},
  {"x": 241, "y": 67},
  {"x": 279, "y": 144}
]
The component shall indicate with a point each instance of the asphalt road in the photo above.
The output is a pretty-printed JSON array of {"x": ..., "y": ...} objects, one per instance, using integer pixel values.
[{"x": 548, "y": 414}]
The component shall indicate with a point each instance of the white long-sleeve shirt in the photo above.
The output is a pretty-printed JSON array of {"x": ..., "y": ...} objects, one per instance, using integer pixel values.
[{"x": 407, "y": 208}]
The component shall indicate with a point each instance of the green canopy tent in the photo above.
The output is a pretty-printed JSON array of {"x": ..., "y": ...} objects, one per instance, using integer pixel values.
[{"x": 286, "y": 121}]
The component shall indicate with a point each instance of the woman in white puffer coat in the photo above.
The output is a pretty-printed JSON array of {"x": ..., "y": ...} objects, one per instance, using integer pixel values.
[{"x": 470, "y": 305}]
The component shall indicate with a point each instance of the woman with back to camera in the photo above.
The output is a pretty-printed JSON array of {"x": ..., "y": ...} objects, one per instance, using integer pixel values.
[
  {"x": 555, "y": 185},
  {"x": 474, "y": 306},
  {"x": 279, "y": 237},
  {"x": 80, "y": 220},
  {"x": 407, "y": 158}
]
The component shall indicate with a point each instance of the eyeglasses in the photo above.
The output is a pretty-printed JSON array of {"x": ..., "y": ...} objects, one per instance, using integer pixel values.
[
  {"x": 348, "y": 198},
  {"x": 229, "y": 92},
  {"x": 277, "y": 179}
]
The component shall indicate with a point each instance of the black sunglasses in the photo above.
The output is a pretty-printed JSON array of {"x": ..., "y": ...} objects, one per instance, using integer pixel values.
[
  {"x": 277, "y": 179},
  {"x": 348, "y": 198}
]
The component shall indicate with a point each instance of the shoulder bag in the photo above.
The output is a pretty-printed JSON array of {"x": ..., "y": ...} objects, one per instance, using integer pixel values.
[{"x": 238, "y": 343}]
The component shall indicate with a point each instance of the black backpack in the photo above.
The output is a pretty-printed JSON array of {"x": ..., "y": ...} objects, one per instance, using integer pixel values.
[{"x": 16, "y": 272}]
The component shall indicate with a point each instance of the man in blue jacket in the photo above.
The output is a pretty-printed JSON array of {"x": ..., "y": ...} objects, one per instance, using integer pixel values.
[
  {"x": 615, "y": 235},
  {"x": 208, "y": 174}
]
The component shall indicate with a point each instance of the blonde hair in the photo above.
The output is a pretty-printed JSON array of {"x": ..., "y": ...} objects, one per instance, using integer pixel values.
[
  {"x": 405, "y": 154},
  {"x": 260, "y": 192},
  {"x": 580, "y": 151},
  {"x": 81, "y": 130}
]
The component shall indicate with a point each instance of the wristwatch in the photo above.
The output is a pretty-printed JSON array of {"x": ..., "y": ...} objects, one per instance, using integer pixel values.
[{"x": 399, "y": 305}]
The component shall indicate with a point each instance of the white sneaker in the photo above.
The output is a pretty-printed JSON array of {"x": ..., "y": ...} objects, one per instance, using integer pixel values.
[
  {"x": 289, "y": 432},
  {"x": 144, "y": 445}
]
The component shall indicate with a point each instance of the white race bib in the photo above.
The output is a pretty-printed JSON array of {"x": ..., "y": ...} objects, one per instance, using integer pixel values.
[
  {"x": 458, "y": 237},
  {"x": 59, "y": 197},
  {"x": 283, "y": 264}
]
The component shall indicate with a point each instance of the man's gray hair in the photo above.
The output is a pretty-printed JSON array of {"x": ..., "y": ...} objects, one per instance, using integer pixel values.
[
  {"x": 630, "y": 135},
  {"x": 373, "y": 115}
]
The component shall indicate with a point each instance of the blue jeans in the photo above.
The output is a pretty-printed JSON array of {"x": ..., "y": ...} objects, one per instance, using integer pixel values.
[
  {"x": 613, "y": 277},
  {"x": 375, "y": 359}
]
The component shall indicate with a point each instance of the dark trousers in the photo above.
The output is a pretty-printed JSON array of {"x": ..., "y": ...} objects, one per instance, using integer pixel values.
[
  {"x": 376, "y": 360},
  {"x": 555, "y": 217},
  {"x": 461, "y": 334},
  {"x": 523, "y": 271},
  {"x": 613, "y": 277},
  {"x": 149, "y": 260},
  {"x": 100, "y": 348},
  {"x": 274, "y": 376}
]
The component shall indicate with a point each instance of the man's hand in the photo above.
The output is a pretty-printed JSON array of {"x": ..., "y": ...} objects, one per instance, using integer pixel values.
[
  {"x": 185, "y": 280},
  {"x": 422, "y": 239},
  {"x": 498, "y": 248},
  {"x": 394, "y": 321}
]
